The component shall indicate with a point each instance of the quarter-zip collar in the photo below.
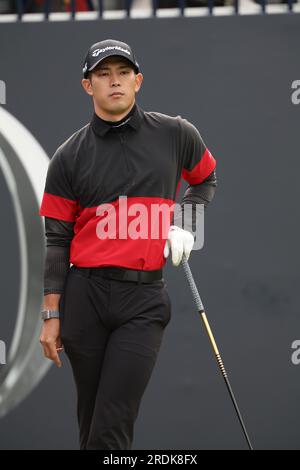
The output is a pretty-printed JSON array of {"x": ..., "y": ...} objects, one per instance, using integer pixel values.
[{"x": 133, "y": 119}]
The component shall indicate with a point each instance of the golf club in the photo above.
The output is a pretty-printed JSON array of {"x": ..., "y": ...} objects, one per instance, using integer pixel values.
[{"x": 201, "y": 311}]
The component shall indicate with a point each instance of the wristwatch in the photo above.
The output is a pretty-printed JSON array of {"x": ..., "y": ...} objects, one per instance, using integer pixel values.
[{"x": 47, "y": 314}]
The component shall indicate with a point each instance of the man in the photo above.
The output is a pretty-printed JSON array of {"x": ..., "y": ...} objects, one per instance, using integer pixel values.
[{"x": 103, "y": 189}]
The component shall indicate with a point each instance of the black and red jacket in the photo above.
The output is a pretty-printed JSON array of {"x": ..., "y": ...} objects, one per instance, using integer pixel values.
[{"x": 144, "y": 158}]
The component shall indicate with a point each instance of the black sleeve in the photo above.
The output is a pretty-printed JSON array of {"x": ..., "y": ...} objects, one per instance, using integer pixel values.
[
  {"x": 59, "y": 234},
  {"x": 202, "y": 193},
  {"x": 198, "y": 170},
  {"x": 195, "y": 159},
  {"x": 198, "y": 196},
  {"x": 59, "y": 200}
]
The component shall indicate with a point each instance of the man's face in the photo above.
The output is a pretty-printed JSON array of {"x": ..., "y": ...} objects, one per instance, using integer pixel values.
[{"x": 113, "y": 75}]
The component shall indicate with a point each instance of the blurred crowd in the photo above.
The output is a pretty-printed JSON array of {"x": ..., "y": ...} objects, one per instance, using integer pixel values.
[{"x": 37, "y": 6}]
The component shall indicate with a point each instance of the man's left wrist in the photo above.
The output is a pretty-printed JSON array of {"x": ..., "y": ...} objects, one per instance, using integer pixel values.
[{"x": 47, "y": 314}]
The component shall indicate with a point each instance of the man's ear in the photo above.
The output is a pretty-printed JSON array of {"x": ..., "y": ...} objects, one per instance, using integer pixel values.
[
  {"x": 138, "y": 81},
  {"x": 87, "y": 86}
]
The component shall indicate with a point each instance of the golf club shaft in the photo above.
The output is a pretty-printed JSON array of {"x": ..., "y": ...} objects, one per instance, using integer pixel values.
[{"x": 201, "y": 311}]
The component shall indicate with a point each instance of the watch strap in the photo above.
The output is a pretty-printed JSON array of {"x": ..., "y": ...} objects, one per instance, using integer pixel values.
[{"x": 47, "y": 314}]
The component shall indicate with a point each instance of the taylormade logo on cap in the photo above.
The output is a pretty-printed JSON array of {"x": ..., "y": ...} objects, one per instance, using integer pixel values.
[
  {"x": 110, "y": 47},
  {"x": 119, "y": 48}
]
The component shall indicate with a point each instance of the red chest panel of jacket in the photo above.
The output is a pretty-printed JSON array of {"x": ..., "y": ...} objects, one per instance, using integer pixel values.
[{"x": 119, "y": 184}]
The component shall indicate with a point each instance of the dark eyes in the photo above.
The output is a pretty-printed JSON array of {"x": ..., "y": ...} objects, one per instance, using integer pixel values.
[{"x": 106, "y": 73}]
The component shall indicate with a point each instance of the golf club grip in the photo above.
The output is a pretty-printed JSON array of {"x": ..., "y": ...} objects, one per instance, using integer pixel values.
[{"x": 192, "y": 284}]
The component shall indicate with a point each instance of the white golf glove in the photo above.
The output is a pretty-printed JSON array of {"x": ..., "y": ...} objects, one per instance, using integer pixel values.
[{"x": 179, "y": 242}]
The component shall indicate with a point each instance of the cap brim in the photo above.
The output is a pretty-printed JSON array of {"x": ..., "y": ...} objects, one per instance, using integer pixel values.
[{"x": 120, "y": 54}]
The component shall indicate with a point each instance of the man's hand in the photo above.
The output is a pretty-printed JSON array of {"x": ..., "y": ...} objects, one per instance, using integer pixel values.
[
  {"x": 50, "y": 340},
  {"x": 179, "y": 242}
]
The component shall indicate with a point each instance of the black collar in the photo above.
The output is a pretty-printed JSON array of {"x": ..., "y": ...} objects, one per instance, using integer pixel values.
[{"x": 133, "y": 120}]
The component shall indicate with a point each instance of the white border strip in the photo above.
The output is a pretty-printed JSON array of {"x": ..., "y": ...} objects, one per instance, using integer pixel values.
[{"x": 246, "y": 8}]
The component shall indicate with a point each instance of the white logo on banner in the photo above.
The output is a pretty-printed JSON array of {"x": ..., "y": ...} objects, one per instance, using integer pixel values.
[
  {"x": 24, "y": 165},
  {"x": 296, "y": 354},
  {"x": 295, "y": 97},
  {"x": 2, "y": 352},
  {"x": 2, "y": 92}
]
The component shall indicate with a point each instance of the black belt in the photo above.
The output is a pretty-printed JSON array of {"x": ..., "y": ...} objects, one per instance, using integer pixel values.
[{"x": 122, "y": 274}]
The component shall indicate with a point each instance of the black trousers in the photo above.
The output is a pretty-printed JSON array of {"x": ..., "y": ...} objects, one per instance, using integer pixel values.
[{"x": 111, "y": 331}]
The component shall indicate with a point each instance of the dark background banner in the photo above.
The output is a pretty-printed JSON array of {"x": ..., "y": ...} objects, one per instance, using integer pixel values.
[{"x": 231, "y": 77}]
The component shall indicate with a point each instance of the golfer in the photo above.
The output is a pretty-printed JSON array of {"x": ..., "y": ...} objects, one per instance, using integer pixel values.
[{"x": 108, "y": 205}]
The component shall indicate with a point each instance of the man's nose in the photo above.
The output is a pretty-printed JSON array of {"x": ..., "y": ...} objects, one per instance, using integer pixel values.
[{"x": 115, "y": 79}]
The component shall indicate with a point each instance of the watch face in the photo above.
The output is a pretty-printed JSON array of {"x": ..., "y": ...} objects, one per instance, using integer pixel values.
[{"x": 23, "y": 168}]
